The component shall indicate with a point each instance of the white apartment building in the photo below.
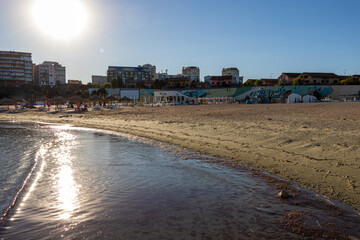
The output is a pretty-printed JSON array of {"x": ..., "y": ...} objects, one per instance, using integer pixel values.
[
  {"x": 49, "y": 73},
  {"x": 192, "y": 71}
]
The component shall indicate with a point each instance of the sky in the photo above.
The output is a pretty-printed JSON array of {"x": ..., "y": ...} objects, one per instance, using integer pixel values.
[{"x": 262, "y": 38}]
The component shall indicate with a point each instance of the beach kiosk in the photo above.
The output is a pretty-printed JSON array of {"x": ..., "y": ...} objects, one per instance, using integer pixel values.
[
  {"x": 309, "y": 99},
  {"x": 173, "y": 97}
]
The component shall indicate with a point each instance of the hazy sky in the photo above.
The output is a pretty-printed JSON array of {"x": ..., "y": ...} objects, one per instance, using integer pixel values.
[{"x": 260, "y": 37}]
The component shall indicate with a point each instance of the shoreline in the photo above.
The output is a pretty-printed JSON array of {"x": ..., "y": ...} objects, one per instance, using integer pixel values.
[{"x": 315, "y": 146}]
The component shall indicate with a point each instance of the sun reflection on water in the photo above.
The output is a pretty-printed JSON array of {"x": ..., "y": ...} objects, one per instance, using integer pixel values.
[
  {"x": 59, "y": 153},
  {"x": 67, "y": 192},
  {"x": 66, "y": 186}
]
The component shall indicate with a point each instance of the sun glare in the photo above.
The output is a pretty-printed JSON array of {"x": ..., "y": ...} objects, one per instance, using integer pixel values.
[{"x": 60, "y": 19}]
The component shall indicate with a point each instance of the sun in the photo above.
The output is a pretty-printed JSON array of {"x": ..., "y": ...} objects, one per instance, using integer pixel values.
[{"x": 60, "y": 19}]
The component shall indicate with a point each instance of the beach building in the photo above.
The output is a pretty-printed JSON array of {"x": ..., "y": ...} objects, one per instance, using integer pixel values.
[
  {"x": 288, "y": 78},
  {"x": 269, "y": 81},
  {"x": 219, "y": 81},
  {"x": 308, "y": 99},
  {"x": 177, "y": 81},
  {"x": 49, "y": 73},
  {"x": 131, "y": 76},
  {"x": 15, "y": 68},
  {"x": 174, "y": 97},
  {"x": 294, "y": 98},
  {"x": 97, "y": 79},
  {"x": 75, "y": 82},
  {"x": 235, "y": 73},
  {"x": 317, "y": 78}
]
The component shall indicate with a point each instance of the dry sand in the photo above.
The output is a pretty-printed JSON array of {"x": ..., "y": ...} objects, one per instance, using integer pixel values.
[{"x": 313, "y": 145}]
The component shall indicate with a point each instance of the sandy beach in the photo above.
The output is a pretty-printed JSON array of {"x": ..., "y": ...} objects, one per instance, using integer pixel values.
[{"x": 313, "y": 145}]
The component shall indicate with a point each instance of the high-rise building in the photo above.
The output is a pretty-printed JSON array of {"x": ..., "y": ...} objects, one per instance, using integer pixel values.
[
  {"x": 130, "y": 76},
  {"x": 15, "y": 68},
  {"x": 49, "y": 74},
  {"x": 96, "y": 79},
  {"x": 192, "y": 71}
]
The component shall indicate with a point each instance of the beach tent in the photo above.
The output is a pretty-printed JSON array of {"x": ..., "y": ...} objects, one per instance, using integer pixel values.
[
  {"x": 294, "y": 98},
  {"x": 309, "y": 99}
]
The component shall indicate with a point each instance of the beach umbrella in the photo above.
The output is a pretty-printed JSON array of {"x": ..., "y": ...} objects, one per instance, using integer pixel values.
[
  {"x": 18, "y": 100},
  {"x": 77, "y": 100},
  {"x": 95, "y": 98},
  {"x": 111, "y": 98},
  {"x": 57, "y": 100},
  {"x": 125, "y": 99},
  {"x": 6, "y": 101},
  {"x": 43, "y": 100}
]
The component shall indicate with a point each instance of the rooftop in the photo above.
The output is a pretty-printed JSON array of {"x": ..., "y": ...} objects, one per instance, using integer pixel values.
[{"x": 319, "y": 74}]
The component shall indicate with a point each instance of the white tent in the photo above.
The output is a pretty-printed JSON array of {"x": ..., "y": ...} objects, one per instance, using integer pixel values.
[
  {"x": 309, "y": 99},
  {"x": 294, "y": 98}
]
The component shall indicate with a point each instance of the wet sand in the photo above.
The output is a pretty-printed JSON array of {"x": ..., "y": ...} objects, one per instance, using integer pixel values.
[{"x": 313, "y": 145}]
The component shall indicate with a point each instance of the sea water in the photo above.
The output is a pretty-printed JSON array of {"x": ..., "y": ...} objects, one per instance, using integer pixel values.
[{"x": 74, "y": 183}]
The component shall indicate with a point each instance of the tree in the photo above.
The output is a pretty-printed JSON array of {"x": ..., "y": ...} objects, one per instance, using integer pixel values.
[
  {"x": 297, "y": 81},
  {"x": 91, "y": 84},
  {"x": 281, "y": 83},
  {"x": 249, "y": 83},
  {"x": 114, "y": 83},
  {"x": 102, "y": 92},
  {"x": 258, "y": 83},
  {"x": 157, "y": 84},
  {"x": 107, "y": 85},
  {"x": 194, "y": 84},
  {"x": 350, "y": 81},
  {"x": 317, "y": 94},
  {"x": 95, "y": 92},
  {"x": 82, "y": 93}
]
